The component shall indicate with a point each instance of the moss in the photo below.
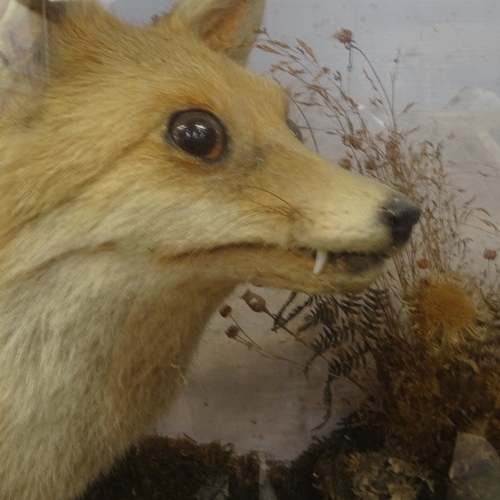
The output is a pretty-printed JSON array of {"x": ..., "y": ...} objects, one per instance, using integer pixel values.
[
  {"x": 179, "y": 469},
  {"x": 296, "y": 481}
]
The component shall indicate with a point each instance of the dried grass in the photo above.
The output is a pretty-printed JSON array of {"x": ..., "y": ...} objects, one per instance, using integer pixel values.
[{"x": 424, "y": 342}]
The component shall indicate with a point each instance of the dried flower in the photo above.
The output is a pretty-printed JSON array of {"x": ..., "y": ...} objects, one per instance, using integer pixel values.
[
  {"x": 225, "y": 310},
  {"x": 254, "y": 302},
  {"x": 443, "y": 305},
  {"x": 392, "y": 150},
  {"x": 232, "y": 331},
  {"x": 423, "y": 263},
  {"x": 343, "y": 36},
  {"x": 352, "y": 141},
  {"x": 370, "y": 164},
  {"x": 490, "y": 254},
  {"x": 345, "y": 163}
]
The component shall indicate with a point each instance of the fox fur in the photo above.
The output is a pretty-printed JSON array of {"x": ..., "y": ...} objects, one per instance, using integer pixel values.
[{"x": 116, "y": 245}]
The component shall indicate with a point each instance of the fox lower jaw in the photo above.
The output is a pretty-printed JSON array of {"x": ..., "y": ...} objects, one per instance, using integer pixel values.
[
  {"x": 320, "y": 271},
  {"x": 298, "y": 269}
]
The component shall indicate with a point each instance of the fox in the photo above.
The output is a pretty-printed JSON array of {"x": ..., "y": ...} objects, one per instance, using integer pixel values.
[{"x": 147, "y": 174}]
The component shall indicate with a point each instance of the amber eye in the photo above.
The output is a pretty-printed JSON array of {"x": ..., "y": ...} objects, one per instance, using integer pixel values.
[
  {"x": 294, "y": 128},
  {"x": 198, "y": 133}
]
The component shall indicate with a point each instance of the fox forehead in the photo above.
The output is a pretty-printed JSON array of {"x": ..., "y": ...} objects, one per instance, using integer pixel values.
[
  {"x": 155, "y": 72},
  {"x": 216, "y": 84}
]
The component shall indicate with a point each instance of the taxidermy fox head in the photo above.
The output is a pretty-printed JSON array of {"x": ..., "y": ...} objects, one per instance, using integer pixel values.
[{"x": 157, "y": 140}]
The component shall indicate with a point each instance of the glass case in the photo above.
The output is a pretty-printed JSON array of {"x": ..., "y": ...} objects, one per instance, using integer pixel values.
[{"x": 397, "y": 388}]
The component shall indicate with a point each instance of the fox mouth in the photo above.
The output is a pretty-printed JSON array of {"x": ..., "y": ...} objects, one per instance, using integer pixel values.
[
  {"x": 355, "y": 264},
  {"x": 347, "y": 262}
]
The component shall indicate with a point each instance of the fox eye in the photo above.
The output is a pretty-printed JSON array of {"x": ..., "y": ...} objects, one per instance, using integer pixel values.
[
  {"x": 198, "y": 133},
  {"x": 294, "y": 129}
]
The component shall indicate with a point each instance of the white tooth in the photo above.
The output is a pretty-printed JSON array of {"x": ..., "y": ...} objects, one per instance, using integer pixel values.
[{"x": 321, "y": 260}]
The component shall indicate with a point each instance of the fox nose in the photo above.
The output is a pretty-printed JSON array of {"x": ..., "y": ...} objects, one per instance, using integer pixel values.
[{"x": 400, "y": 215}]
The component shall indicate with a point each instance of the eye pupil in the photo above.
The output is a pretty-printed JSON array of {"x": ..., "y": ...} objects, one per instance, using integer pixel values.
[
  {"x": 195, "y": 138},
  {"x": 198, "y": 133}
]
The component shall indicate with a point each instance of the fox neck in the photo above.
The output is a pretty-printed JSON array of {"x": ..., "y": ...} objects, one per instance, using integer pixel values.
[{"x": 131, "y": 321}]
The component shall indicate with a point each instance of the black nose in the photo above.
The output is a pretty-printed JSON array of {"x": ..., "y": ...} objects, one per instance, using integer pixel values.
[{"x": 400, "y": 215}]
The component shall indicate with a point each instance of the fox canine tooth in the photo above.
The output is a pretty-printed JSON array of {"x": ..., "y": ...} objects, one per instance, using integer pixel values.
[{"x": 321, "y": 260}]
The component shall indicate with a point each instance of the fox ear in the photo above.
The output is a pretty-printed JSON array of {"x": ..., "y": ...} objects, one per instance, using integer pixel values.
[{"x": 227, "y": 26}]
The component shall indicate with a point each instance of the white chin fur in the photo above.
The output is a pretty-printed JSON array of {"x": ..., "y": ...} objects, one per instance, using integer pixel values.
[{"x": 321, "y": 261}]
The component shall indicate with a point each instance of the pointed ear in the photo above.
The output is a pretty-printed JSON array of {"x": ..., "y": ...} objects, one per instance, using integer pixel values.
[{"x": 227, "y": 26}]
